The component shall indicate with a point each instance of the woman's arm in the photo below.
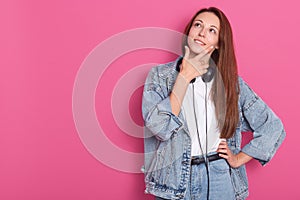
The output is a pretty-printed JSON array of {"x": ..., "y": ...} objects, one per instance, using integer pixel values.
[
  {"x": 267, "y": 128},
  {"x": 178, "y": 92},
  {"x": 156, "y": 106}
]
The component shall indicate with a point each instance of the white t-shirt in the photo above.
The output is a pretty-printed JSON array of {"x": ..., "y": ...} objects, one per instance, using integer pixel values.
[{"x": 213, "y": 133}]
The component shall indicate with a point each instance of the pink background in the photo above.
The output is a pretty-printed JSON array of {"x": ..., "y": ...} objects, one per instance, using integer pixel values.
[{"x": 43, "y": 45}]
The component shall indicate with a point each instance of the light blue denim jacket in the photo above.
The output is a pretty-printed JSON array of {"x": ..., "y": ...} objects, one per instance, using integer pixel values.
[{"x": 167, "y": 142}]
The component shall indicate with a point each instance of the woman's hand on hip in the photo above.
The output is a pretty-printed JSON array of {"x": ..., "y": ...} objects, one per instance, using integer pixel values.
[{"x": 234, "y": 160}]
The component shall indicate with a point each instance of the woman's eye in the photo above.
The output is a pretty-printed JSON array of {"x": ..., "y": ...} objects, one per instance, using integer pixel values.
[
  {"x": 197, "y": 24},
  {"x": 212, "y": 31}
]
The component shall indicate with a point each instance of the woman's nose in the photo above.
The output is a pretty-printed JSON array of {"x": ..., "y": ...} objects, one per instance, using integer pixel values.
[{"x": 202, "y": 32}]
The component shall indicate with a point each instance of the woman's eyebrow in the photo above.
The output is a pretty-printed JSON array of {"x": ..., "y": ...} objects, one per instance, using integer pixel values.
[
  {"x": 214, "y": 26},
  {"x": 199, "y": 20},
  {"x": 210, "y": 25}
]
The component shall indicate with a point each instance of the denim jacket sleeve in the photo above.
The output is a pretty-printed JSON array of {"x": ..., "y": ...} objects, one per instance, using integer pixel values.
[
  {"x": 267, "y": 128},
  {"x": 156, "y": 107}
]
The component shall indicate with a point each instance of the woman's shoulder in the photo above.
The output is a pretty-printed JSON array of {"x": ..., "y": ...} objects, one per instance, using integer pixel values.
[
  {"x": 247, "y": 95},
  {"x": 241, "y": 81},
  {"x": 243, "y": 85},
  {"x": 166, "y": 69}
]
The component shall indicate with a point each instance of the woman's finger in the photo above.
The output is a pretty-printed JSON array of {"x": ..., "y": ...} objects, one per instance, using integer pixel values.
[
  {"x": 222, "y": 145},
  {"x": 187, "y": 52},
  {"x": 223, "y": 142},
  {"x": 224, "y": 151},
  {"x": 223, "y": 156}
]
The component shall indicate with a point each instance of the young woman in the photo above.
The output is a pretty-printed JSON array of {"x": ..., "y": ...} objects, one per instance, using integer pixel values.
[{"x": 195, "y": 109}]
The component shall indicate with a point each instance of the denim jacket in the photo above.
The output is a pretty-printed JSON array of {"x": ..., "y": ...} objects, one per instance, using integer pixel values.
[{"x": 167, "y": 143}]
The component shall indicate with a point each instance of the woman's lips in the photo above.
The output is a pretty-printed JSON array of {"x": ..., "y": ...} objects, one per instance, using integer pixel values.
[{"x": 199, "y": 42}]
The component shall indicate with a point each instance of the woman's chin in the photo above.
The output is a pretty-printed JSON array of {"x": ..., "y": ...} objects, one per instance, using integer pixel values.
[{"x": 197, "y": 49}]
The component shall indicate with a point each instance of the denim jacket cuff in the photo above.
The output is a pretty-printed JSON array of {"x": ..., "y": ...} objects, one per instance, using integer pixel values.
[
  {"x": 172, "y": 124},
  {"x": 257, "y": 154}
]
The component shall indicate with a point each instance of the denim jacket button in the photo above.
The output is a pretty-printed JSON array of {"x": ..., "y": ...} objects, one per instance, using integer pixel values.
[
  {"x": 179, "y": 195},
  {"x": 184, "y": 162}
]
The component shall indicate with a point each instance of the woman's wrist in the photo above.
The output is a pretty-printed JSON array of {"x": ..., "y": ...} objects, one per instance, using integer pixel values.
[
  {"x": 179, "y": 87},
  {"x": 178, "y": 92},
  {"x": 187, "y": 75},
  {"x": 241, "y": 159},
  {"x": 184, "y": 78}
]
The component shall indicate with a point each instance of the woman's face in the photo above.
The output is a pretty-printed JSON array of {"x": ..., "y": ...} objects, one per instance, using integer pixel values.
[{"x": 204, "y": 32}]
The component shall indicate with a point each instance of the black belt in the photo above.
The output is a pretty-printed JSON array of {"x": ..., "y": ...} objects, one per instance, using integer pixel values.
[{"x": 197, "y": 160}]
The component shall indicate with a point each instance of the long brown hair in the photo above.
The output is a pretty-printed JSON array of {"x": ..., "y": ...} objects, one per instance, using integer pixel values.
[{"x": 225, "y": 87}]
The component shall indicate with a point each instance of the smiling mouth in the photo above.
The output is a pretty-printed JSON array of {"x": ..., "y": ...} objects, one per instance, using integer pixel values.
[{"x": 199, "y": 42}]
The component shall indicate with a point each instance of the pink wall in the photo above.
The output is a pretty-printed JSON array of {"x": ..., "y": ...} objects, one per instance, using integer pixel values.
[{"x": 50, "y": 150}]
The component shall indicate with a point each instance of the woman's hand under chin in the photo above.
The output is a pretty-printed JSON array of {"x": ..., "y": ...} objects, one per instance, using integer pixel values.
[{"x": 194, "y": 66}]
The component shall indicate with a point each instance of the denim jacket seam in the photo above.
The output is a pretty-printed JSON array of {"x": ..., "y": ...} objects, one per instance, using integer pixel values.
[{"x": 251, "y": 103}]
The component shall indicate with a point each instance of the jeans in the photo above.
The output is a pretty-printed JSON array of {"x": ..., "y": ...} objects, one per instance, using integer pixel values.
[{"x": 220, "y": 182}]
